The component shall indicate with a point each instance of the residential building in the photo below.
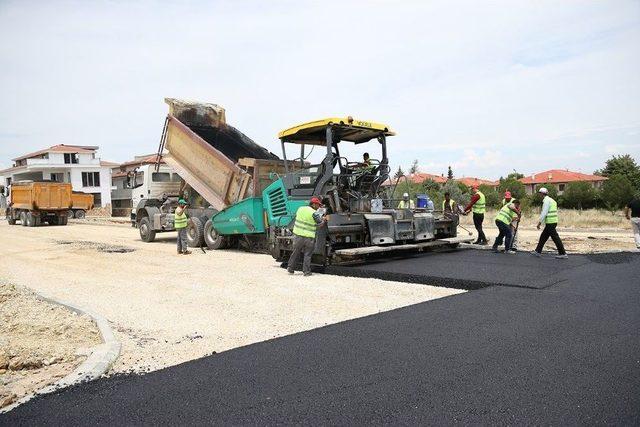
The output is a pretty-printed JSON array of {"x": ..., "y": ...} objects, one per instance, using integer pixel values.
[
  {"x": 559, "y": 178},
  {"x": 75, "y": 164},
  {"x": 470, "y": 181},
  {"x": 417, "y": 178}
]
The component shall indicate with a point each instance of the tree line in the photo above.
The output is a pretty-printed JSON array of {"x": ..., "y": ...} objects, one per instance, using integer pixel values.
[{"x": 622, "y": 185}]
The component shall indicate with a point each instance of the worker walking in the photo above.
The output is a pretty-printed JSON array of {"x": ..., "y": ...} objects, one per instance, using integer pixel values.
[
  {"x": 479, "y": 207},
  {"x": 549, "y": 216},
  {"x": 180, "y": 224},
  {"x": 304, "y": 231},
  {"x": 514, "y": 224},
  {"x": 632, "y": 212},
  {"x": 406, "y": 203},
  {"x": 505, "y": 217}
]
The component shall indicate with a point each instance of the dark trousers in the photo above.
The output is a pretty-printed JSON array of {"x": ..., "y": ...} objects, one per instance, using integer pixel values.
[
  {"x": 504, "y": 232},
  {"x": 477, "y": 222},
  {"x": 301, "y": 245},
  {"x": 182, "y": 240},
  {"x": 550, "y": 231}
]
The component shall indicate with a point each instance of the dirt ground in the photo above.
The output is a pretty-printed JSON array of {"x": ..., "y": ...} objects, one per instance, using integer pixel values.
[
  {"x": 39, "y": 342},
  {"x": 167, "y": 308}
]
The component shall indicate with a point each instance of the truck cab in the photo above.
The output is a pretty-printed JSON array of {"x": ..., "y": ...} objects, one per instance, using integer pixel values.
[{"x": 146, "y": 182}]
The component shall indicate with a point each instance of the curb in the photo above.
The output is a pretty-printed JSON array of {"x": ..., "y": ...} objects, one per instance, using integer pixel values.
[{"x": 98, "y": 362}]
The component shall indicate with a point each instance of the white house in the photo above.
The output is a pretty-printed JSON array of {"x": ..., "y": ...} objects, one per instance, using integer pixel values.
[{"x": 76, "y": 164}]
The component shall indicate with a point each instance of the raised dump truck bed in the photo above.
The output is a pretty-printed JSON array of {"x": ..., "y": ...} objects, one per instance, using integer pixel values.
[{"x": 33, "y": 203}]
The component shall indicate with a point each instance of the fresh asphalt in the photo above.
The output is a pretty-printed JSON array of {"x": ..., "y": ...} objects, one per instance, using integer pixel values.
[{"x": 540, "y": 341}]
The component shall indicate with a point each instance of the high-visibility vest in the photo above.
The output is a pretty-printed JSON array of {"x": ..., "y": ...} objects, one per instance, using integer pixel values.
[
  {"x": 409, "y": 204},
  {"x": 452, "y": 203},
  {"x": 552, "y": 215},
  {"x": 480, "y": 206},
  {"x": 506, "y": 215},
  {"x": 504, "y": 201},
  {"x": 180, "y": 221},
  {"x": 305, "y": 225}
]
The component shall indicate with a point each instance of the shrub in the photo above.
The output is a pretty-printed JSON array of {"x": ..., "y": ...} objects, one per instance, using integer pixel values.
[
  {"x": 579, "y": 195},
  {"x": 616, "y": 192},
  {"x": 536, "y": 199}
]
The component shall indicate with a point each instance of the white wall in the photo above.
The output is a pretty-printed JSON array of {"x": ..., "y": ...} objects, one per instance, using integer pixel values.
[{"x": 105, "y": 182}]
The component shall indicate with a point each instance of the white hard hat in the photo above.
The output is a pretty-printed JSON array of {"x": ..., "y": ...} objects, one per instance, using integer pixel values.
[
  {"x": 543, "y": 190},
  {"x": 405, "y": 195}
]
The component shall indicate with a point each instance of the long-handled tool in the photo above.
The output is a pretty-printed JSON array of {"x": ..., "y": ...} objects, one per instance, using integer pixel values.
[{"x": 450, "y": 215}]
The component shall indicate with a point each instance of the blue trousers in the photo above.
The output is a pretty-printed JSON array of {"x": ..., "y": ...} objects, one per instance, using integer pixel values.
[{"x": 504, "y": 234}]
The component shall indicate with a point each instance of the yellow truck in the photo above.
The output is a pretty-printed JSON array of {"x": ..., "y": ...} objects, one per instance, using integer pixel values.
[
  {"x": 33, "y": 203},
  {"x": 81, "y": 203}
]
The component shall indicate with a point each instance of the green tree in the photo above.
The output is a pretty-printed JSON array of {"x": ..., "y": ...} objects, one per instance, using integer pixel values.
[
  {"x": 492, "y": 198},
  {"x": 579, "y": 195},
  {"x": 623, "y": 165},
  {"x": 515, "y": 187},
  {"x": 515, "y": 175},
  {"x": 460, "y": 195},
  {"x": 616, "y": 192},
  {"x": 414, "y": 168},
  {"x": 449, "y": 173},
  {"x": 536, "y": 199}
]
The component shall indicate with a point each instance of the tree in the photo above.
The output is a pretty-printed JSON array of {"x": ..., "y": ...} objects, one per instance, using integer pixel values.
[
  {"x": 515, "y": 175},
  {"x": 616, "y": 192},
  {"x": 579, "y": 195},
  {"x": 536, "y": 199},
  {"x": 399, "y": 173},
  {"x": 449, "y": 173},
  {"x": 492, "y": 198},
  {"x": 459, "y": 194},
  {"x": 414, "y": 167},
  {"x": 623, "y": 165},
  {"x": 515, "y": 187}
]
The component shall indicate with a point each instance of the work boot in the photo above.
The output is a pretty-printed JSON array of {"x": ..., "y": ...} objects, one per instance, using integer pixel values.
[
  {"x": 186, "y": 253},
  {"x": 563, "y": 256},
  {"x": 307, "y": 274},
  {"x": 536, "y": 254},
  {"x": 495, "y": 250},
  {"x": 290, "y": 271},
  {"x": 511, "y": 252}
]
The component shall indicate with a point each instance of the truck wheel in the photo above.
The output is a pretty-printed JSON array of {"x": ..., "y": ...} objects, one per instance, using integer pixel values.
[
  {"x": 23, "y": 218},
  {"x": 211, "y": 237},
  {"x": 80, "y": 214},
  {"x": 147, "y": 234},
  {"x": 10, "y": 219},
  {"x": 62, "y": 220},
  {"x": 70, "y": 213},
  {"x": 195, "y": 232},
  {"x": 31, "y": 220},
  {"x": 53, "y": 220}
]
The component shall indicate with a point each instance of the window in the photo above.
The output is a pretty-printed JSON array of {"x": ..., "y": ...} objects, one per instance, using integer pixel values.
[
  {"x": 161, "y": 177},
  {"x": 91, "y": 179},
  {"x": 560, "y": 187},
  {"x": 70, "y": 158},
  {"x": 175, "y": 178},
  {"x": 57, "y": 177}
]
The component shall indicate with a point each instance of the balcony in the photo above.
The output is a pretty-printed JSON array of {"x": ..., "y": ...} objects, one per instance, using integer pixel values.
[{"x": 57, "y": 164}]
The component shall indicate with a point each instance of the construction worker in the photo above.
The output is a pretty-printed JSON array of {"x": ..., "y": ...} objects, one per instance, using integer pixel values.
[
  {"x": 549, "y": 217},
  {"x": 507, "y": 198},
  {"x": 505, "y": 217},
  {"x": 514, "y": 224},
  {"x": 632, "y": 212},
  {"x": 405, "y": 203},
  {"x": 180, "y": 224},
  {"x": 479, "y": 207},
  {"x": 449, "y": 206},
  {"x": 304, "y": 231}
]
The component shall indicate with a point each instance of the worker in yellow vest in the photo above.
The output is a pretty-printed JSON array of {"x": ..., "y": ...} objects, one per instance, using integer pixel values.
[
  {"x": 449, "y": 206},
  {"x": 180, "y": 221},
  {"x": 479, "y": 207},
  {"x": 549, "y": 217},
  {"x": 505, "y": 217},
  {"x": 406, "y": 203},
  {"x": 514, "y": 224},
  {"x": 304, "y": 235}
]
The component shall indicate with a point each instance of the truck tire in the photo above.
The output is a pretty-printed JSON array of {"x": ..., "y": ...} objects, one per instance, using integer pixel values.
[
  {"x": 211, "y": 237},
  {"x": 31, "y": 219},
  {"x": 79, "y": 214},
  {"x": 195, "y": 232},
  {"x": 147, "y": 233},
  {"x": 63, "y": 220},
  {"x": 10, "y": 219},
  {"x": 23, "y": 218},
  {"x": 70, "y": 213}
]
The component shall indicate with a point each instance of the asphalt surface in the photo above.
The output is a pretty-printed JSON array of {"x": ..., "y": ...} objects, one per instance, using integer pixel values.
[{"x": 557, "y": 342}]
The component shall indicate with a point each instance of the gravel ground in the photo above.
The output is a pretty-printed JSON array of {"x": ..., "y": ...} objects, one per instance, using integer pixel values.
[
  {"x": 167, "y": 309},
  {"x": 39, "y": 342}
]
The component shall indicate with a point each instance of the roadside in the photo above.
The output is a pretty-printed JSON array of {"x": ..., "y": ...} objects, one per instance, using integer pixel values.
[
  {"x": 40, "y": 342},
  {"x": 166, "y": 309}
]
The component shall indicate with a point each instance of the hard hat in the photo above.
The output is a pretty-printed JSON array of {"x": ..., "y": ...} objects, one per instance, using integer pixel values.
[
  {"x": 316, "y": 200},
  {"x": 543, "y": 190},
  {"x": 405, "y": 195},
  {"x": 182, "y": 202},
  {"x": 507, "y": 195}
]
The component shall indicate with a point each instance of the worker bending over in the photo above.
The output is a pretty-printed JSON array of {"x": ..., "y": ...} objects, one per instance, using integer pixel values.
[
  {"x": 549, "y": 216},
  {"x": 405, "y": 203},
  {"x": 180, "y": 221},
  {"x": 304, "y": 235},
  {"x": 479, "y": 207},
  {"x": 505, "y": 217}
]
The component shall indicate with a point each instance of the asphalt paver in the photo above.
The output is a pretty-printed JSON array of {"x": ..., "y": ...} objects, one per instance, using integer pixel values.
[{"x": 566, "y": 352}]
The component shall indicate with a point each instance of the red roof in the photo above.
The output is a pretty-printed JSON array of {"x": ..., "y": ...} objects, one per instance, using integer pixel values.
[
  {"x": 418, "y": 178},
  {"x": 559, "y": 176},
  {"x": 61, "y": 148},
  {"x": 470, "y": 181},
  {"x": 144, "y": 161}
]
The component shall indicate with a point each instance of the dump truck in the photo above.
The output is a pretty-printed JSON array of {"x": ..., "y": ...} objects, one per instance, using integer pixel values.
[
  {"x": 34, "y": 203},
  {"x": 80, "y": 204},
  {"x": 362, "y": 220}
]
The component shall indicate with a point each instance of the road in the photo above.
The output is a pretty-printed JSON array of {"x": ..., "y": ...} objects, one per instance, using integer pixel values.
[{"x": 552, "y": 342}]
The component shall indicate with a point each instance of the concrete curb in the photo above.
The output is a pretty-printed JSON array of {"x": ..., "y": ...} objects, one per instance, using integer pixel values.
[{"x": 98, "y": 363}]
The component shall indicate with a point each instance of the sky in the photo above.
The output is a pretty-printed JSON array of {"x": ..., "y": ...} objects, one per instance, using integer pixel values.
[{"x": 484, "y": 87}]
